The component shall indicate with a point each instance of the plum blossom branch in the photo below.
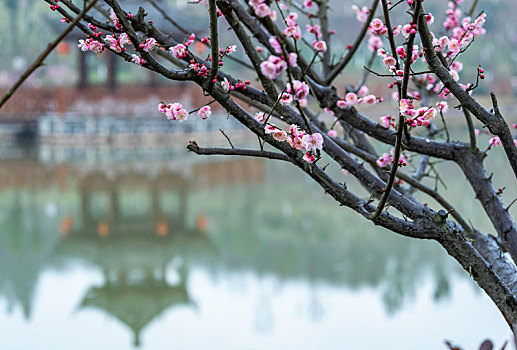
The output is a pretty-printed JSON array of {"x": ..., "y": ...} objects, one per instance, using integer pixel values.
[
  {"x": 494, "y": 122},
  {"x": 401, "y": 122}
]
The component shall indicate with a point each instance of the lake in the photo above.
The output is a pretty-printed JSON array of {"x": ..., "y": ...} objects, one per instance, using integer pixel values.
[{"x": 154, "y": 248}]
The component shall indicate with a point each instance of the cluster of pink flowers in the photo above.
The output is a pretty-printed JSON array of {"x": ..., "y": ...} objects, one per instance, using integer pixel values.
[
  {"x": 262, "y": 9},
  {"x": 293, "y": 29},
  {"x": 296, "y": 137},
  {"x": 117, "y": 44},
  {"x": 361, "y": 96},
  {"x": 201, "y": 69},
  {"x": 387, "y": 159},
  {"x": 388, "y": 121},
  {"x": 416, "y": 117},
  {"x": 137, "y": 59},
  {"x": 273, "y": 67},
  {"x": 91, "y": 45},
  {"x": 115, "y": 20},
  {"x": 298, "y": 91},
  {"x": 173, "y": 111},
  {"x": 180, "y": 50}
]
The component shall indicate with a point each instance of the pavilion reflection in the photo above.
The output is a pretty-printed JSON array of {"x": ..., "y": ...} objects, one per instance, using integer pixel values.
[{"x": 134, "y": 242}]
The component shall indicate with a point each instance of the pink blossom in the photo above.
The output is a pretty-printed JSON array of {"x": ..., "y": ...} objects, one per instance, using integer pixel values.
[
  {"x": 84, "y": 45},
  {"x": 275, "y": 44},
  {"x": 384, "y": 160},
  {"x": 295, "y": 130},
  {"x": 179, "y": 51},
  {"x": 389, "y": 61},
  {"x": 114, "y": 43},
  {"x": 315, "y": 29},
  {"x": 351, "y": 98},
  {"x": 442, "y": 106},
  {"x": 309, "y": 157},
  {"x": 405, "y": 105},
  {"x": 454, "y": 46},
  {"x": 162, "y": 107},
  {"x": 313, "y": 142},
  {"x": 319, "y": 46},
  {"x": 301, "y": 90},
  {"x": 137, "y": 59},
  {"x": 259, "y": 117},
  {"x": 296, "y": 142},
  {"x": 454, "y": 75},
  {"x": 361, "y": 13},
  {"x": 280, "y": 135},
  {"x": 230, "y": 49},
  {"x": 148, "y": 45},
  {"x": 204, "y": 112},
  {"x": 268, "y": 69},
  {"x": 286, "y": 98},
  {"x": 308, "y": 4},
  {"x": 387, "y": 121},
  {"x": 91, "y": 45},
  {"x": 273, "y": 67},
  {"x": 457, "y": 66},
  {"x": 293, "y": 58},
  {"x": 378, "y": 27},
  {"x": 406, "y": 30},
  {"x": 293, "y": 31},
  {"x": 370, "y": 100},
  {"x": 332, "y": 133},
  {"x": 175, "y": 111},
  {"x": 374, "y": 43},
  {"x": 363, "y": 91},
  {"x": 269, "y": 129},
  {"x": 342, "y": 104},
  {"x": 429, "y": 113},
  {"x": 262, "y": 10},
  {"x": 494, "y": 142}
]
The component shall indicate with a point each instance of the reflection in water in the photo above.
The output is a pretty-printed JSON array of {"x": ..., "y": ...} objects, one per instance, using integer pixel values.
[{"x": 139, "y": 220}]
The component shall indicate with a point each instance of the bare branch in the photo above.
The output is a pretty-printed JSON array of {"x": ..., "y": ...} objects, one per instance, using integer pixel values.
[
  {"x": 344, "y": 62},
  {"x": 237, "y": 152},
  {"x": 39, "y": 61}
]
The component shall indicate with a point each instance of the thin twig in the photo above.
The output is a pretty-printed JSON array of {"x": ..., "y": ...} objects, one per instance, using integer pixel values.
[
  {"x": 41, "y": 58},
  {"x": 237, "y": 152},
  {"x": 229, "y": 141},
  {"x": 445, "y": 126},
  {"x": 344, "y": 62},
  {"x": 473, "y": 8}
]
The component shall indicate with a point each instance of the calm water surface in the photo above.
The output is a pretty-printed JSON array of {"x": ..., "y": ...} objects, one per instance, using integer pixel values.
[{"x": 154, "y": 249}]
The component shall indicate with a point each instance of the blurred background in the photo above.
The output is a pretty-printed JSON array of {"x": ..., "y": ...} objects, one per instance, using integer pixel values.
[{"x": 113, "y": 236}]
